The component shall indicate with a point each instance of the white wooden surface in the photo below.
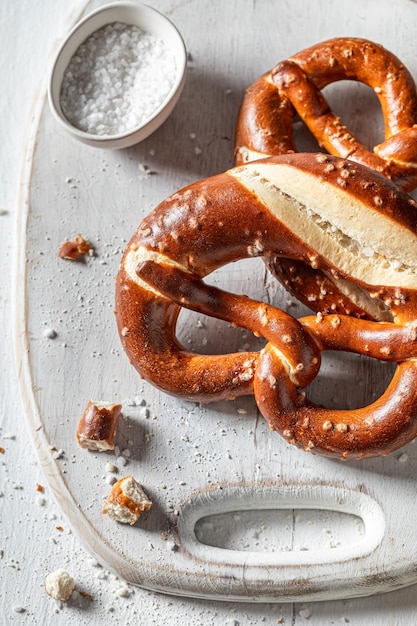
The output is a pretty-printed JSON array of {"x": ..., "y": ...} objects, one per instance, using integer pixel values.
[{"x": 28, "y": 529}]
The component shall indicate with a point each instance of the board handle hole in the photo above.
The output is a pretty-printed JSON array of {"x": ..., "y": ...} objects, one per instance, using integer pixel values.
[{"x": 280, "y": 530}]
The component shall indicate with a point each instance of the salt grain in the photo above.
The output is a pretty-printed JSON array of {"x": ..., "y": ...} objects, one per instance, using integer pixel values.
[
  {"x": 49, "y": 333},
  {"x": 123, "y": 592},
  {"x": 116, "y": 80}
]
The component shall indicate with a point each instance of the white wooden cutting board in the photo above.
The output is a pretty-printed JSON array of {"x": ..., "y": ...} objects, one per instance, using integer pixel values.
[{"x": 237, "y": 512}]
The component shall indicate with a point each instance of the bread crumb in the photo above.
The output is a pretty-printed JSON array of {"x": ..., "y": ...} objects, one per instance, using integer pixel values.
[
  {"x": 127, "y": 501},
  {"x": 59, "y": 585},
  {"x": 72, "y": 250},
  {"x": 123, "y": 592}
]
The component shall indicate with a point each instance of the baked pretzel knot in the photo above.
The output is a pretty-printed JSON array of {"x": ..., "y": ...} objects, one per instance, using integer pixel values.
[
  {"x": 265, "y": 120},
  {"x": 323, "y": 211}
]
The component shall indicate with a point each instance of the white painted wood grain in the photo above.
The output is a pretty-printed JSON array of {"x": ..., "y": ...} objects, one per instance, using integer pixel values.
[{"x": 366, "y": 610}]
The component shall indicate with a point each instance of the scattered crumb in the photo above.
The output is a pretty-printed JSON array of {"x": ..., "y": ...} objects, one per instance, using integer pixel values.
[
  {"x": 49, "y": 333},
  {"x": 71, "y": 182},
  {"x": 59, "y": 585},
  {"x": 97, "y": 427},
  {"x": 127, "y": 501},
  {"x": 146, "y": 169},
  {"x": 86, "y": 595},
  {"x": 72, "y": 250},
  {"x": 123, "y": 592}
]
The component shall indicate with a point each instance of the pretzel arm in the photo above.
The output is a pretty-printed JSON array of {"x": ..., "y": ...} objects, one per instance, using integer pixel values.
[
  {"x": 268, "y": 123},
  {"x": 292, "y": 345},
  {"x": 161, "y": 359},
  {"x": 322, "y": 293},
  {"x": 353, "y": 58},
  {"x": 379, "y": 340},
  {"x": 292, "y": 82},
  {"x": 374, "y": 430}
]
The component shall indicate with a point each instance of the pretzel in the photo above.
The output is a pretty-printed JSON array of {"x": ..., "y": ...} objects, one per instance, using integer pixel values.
[
  {"x": 264, "y": 126},
  {"x": 320, "y": 210}
]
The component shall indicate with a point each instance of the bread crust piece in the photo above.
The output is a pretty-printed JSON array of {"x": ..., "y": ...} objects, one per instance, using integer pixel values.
[
  {"x": 72, "y": 250},
  {"x": 97, "y": 426},
  {"x": 325, "y": 212},
  {"x": 127, "y": 501}
]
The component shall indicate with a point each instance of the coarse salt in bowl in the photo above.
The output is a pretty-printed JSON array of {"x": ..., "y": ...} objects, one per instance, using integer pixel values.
[{"x": 118, "y": 75}]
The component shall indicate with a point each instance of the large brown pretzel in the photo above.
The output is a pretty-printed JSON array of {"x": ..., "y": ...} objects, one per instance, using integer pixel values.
[
  {"x": 265, "y": 120},
  {"x": 317, "y": 209},
  {"x": 264, "y": 128}
]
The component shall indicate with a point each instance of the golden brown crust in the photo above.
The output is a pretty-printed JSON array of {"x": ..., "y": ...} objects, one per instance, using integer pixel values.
[
  {"x": 375, "y": 430},
  {"x": 72, "y": 250},
  {"x": 315, "y": 289},
  {"x": 264, "y": 126}
]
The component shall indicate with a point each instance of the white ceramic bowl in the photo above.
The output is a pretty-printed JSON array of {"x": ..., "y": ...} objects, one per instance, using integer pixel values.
[{"x": 148, "y": 20}]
